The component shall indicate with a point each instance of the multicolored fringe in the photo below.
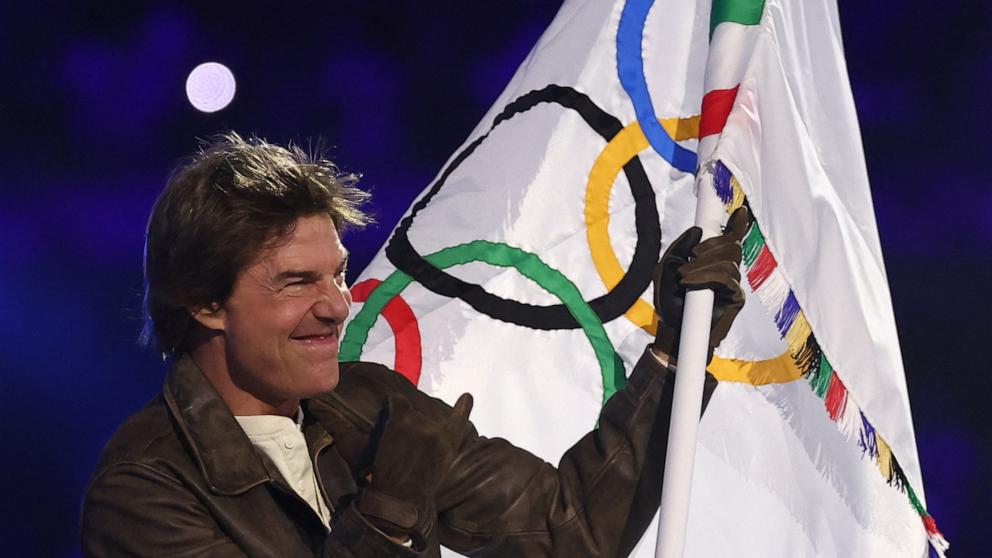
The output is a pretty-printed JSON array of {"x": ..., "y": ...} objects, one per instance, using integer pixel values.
[{"x": 773, "y": 290}]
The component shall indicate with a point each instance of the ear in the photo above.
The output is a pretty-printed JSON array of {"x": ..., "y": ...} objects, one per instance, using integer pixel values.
[{"x": 211, "y": 317}]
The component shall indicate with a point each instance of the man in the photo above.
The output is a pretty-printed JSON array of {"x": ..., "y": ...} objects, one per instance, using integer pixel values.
[{"x": 261, "y": 444}]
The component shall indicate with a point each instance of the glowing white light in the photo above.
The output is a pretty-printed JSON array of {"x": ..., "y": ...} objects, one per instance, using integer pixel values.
[{"x": 210, "y": 87}]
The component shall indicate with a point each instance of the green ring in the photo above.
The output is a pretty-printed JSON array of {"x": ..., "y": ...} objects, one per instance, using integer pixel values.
[{"x": 527, "y": 264}]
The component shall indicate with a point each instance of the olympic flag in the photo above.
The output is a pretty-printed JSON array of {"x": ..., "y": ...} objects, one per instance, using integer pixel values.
[{"x": 522, "y": 273}]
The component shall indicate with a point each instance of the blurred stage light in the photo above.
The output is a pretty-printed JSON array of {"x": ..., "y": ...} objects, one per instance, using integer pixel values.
[{"x": 210, "y": 87}]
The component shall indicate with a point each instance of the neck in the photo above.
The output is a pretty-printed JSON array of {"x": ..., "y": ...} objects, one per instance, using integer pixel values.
[{"x": 210, "y": 356}]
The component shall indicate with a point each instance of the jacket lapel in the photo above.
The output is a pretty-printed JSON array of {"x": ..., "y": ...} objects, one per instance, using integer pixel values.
[
  {"x": 220, "y": 447},
  {"x": 333, "y": 474}
]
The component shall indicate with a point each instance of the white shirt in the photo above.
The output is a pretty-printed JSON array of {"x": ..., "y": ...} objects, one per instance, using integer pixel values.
[{"x": 279, "y": 440}]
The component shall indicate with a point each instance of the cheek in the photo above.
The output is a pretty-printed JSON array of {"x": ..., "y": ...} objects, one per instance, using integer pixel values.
[
  {"x": 289, "y": 313},
  {"x": 270, "y": 322}
]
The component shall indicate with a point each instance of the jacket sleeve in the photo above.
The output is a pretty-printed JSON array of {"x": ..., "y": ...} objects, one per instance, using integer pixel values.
[{"x": 500, "y": 500}]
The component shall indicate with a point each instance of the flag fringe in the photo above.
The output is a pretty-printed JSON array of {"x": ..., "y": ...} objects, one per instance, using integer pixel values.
[{"x": 768, "y": 283}]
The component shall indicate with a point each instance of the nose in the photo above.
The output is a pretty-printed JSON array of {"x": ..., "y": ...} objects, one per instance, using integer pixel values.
[{"x": 334, "y": 303}]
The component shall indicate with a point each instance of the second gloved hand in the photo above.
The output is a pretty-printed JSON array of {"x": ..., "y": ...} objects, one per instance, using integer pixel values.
[{"x": 413, "y": 454}]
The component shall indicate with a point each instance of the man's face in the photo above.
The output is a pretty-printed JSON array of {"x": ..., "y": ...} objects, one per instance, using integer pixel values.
[{"x": 283, "y": 319}]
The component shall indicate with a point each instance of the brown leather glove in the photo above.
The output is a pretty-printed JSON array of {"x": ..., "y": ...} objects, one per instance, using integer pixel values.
[
  {"x": 414, "y": 452},
  {"x": 690, "y": 265}
]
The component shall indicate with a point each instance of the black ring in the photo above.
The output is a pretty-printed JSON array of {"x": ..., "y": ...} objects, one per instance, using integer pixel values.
[{"x": 609, "y": 306}]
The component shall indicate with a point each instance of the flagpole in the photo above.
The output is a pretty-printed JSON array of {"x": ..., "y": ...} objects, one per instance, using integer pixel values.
[{"x": 688, "y": 393}]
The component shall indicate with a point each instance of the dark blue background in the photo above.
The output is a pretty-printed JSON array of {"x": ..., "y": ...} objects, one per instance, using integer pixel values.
[{"x": 93, "y": 115}]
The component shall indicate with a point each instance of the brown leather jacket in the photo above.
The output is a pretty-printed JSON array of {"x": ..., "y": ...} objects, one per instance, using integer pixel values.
[{"x": 180, "y": 478}]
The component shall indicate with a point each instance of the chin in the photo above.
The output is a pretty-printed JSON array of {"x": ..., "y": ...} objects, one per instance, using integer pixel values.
[{"x": 325, "y": 381}]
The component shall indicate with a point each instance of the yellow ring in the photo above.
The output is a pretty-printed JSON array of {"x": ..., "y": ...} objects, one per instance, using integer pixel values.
[{"x": 622, "y": 148}]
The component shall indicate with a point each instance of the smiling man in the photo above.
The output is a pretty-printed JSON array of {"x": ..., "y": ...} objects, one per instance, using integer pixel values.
[
  {"x": 274, "y": 341},
  {"x": 262, "y": 444}
]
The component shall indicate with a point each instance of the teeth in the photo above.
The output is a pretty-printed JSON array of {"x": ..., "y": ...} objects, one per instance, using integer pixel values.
[{"x": 313, "y": 338}]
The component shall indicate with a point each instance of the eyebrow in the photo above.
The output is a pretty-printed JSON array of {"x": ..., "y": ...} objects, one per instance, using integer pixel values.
[
  {"x": 309, "y": 275},
  {"x": 297, "y": 274}
]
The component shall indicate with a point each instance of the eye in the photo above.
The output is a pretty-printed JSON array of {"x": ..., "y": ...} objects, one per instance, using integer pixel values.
[{"x": 296, "y": 284}]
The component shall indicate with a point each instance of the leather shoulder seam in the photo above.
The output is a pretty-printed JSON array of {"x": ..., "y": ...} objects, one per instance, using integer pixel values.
[{"x": 114, "y": 467}]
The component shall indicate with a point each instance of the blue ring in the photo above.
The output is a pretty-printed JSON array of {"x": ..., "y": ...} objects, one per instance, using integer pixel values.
[{"x": 630, "y": 67}]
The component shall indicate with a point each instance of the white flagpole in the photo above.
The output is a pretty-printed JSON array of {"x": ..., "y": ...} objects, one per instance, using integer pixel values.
[{"x": 688, "y": 394}]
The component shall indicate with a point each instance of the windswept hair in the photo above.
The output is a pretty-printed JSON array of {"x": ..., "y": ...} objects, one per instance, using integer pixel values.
[{"x": 218, "y": 210}]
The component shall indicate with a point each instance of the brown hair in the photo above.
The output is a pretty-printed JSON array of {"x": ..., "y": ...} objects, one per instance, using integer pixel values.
[{"x": 217, "y": 211}]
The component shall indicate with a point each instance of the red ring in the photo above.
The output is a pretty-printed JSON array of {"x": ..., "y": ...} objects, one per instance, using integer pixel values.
[{"x": 406, "y": 332}]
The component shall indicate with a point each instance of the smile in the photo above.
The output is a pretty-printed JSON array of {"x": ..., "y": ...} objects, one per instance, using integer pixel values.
[{"x": 318, "y": 340}]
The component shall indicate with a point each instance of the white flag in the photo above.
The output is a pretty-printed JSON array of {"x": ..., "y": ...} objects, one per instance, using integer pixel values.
[{"x": 522, "y": 273}]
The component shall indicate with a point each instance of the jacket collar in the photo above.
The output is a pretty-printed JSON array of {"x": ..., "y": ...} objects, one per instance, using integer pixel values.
[{"x": 220, "y": 447}]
